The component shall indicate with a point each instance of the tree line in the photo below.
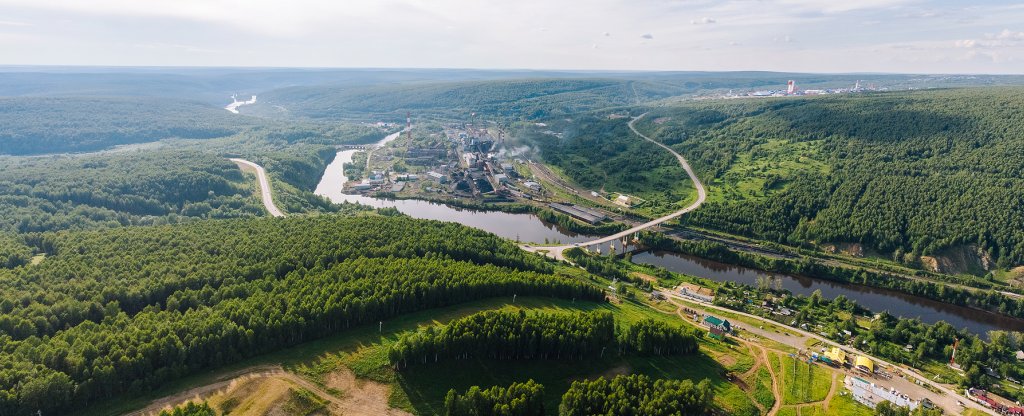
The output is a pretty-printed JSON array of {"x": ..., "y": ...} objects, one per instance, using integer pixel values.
[
  {"x": 636, "y": 395},
  {"x": 519, "y": 399},
  {"x": 508, "y": 335}
]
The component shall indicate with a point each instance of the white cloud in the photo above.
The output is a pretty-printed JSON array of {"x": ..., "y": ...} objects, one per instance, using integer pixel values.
[
  {"x": 1007, "y": 34},
  {"x": 966, "y": 43},
  {"x": 525, "y": 33}
]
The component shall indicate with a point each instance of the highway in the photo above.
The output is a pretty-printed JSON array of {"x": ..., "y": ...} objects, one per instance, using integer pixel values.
[
  {"x": 556, "y": 251},
  {"x": 261, "y": 175}
]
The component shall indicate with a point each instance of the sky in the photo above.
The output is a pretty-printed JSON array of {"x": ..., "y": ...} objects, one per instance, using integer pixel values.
[{"x": 905, "y": 36}]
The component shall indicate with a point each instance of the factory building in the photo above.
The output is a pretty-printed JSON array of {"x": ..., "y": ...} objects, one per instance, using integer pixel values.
[{"x": 584, "y": 214}]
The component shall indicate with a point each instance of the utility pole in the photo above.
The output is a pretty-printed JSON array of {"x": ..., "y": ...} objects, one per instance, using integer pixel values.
[
  {"x": 513, "y": 298},
  {"x": 380, "y": 326}
]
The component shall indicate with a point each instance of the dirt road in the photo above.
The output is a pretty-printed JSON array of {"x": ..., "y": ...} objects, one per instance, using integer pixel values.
[
  {"x": 359, "y": 398},
  {"x": 912, "y": 384}
]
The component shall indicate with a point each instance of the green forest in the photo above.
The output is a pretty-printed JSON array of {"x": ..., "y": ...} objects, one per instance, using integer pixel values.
[
  {"x": 45, "y": 125},
  {"x": 123, "y": 310},
  {"x": 908, "y": 172},
  {"x": 521, "y": 399},
  {"x": 636, "y": 395},
  {"x": 603, "y": 154},
  {"x": 32, "y": 125},
  {"x": 173, "y": 181},
  {"x": 904, "y": 173},
  {"x": 514, "y": 99},
  {"x": 501, "y": 335}
]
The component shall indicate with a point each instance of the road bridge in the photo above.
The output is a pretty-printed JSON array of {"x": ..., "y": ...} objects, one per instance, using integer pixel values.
[{"x": 625, "y": 236}]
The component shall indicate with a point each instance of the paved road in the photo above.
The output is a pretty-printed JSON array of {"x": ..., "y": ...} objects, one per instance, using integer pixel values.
[
  {"x": 556, "y": 251},
  {"x": 261, "y": 174},
  {"x": 946, "y": 400}
]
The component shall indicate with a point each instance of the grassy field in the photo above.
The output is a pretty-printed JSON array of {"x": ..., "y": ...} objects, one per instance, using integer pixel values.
[
  {"x": 802, "y": 382},
  {"x": 762, "y": 384},
  {"x": 765, "y": 169}
]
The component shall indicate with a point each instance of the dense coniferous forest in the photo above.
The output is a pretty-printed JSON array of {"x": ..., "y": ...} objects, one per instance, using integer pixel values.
[
  {"x": 650, "y": 337},
  {"x": 43, "y": 125},
  {"x": 124, "y": 188},
  {"x": 123, "y": 310},
  {"x": 905, "y": 172},
  {"x": 32, "y": 125},
  {"x": 636, "y": 395},
  {"x": 516, "y": 99},
  {"x": 508, "y": 335},
  {"x": 518, "y": 399}
]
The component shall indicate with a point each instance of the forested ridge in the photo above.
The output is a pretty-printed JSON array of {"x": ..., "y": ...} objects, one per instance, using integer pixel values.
[
  {"x": 907, "y": 172},
  {"x": 32, "y": 125},
  {"x": 512, "y": 98},
  {"x": 54, "y": 193},
  {"x": 123, "y": 310},
  {"x": 42, "y": 125}
]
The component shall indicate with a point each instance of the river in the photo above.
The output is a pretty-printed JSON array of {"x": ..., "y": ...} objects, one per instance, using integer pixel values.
[
  {"x": 518, "y": 227},
  {"x": 875, "y": 299},
  {"x": 530, "y": 228}
]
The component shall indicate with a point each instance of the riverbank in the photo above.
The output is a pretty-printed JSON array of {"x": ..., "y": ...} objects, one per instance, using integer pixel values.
[{"x": 930, "y": 291}]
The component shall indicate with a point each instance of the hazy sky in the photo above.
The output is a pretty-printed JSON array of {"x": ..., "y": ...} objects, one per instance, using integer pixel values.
[{"x": 982, "y": 36}]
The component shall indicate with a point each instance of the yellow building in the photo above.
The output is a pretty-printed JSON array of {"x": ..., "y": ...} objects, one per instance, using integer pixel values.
[
  {"x": 836, "y": 355},
  {"x": 865, "y": 364}
]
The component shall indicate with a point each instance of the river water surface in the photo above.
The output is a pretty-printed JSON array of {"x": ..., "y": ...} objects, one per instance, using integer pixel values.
[
  {"x": 519, "y": 227},
  {"x": 875, "y": 299}
]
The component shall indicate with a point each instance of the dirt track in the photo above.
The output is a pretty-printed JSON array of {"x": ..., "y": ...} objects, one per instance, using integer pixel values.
[{"x": 359, "y": 398}]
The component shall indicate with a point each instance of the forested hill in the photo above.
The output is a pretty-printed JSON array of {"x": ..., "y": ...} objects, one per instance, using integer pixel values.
[
  {"x": 527, "y": 98},
  {"x": 44, "y": 125},
  {"x": 907, "y": 173},
  {"x": 123, "y": 310},
  {"x": 32, "y": 125}
]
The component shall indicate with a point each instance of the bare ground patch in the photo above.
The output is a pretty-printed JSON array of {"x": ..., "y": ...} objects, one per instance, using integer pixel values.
[{"x": 360, "y": 397}]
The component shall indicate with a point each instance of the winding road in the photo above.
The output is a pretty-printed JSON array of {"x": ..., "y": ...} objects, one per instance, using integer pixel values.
[
  {"x": 556, "y": 251},
  {"x": 948, "y": 398},
  {"x": 261, "y": 175}
]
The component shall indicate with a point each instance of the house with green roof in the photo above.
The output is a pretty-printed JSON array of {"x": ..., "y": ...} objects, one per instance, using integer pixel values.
[{"x": 720, "y": 324}]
